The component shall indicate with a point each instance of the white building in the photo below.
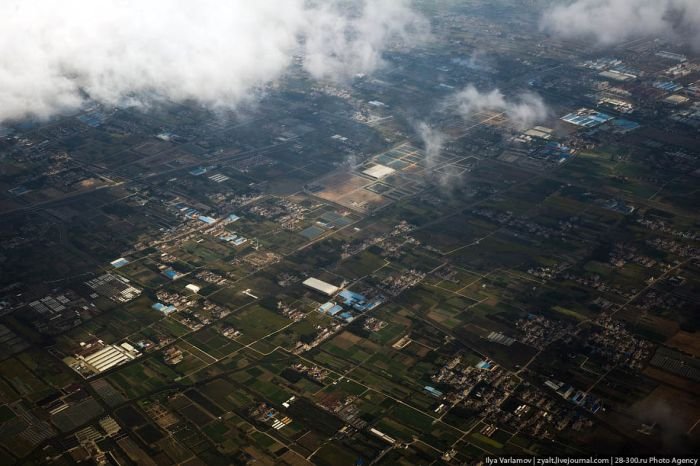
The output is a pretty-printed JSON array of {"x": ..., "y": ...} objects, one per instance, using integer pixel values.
[{"x": 321, "y": 286}]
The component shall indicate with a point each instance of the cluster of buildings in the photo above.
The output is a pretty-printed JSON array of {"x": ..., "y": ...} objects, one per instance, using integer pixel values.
[
  {"x": 539, "y": 331},
  {"x": 578, "y": 397},
  {"x": 673, "y": 246},
  {"x": 58, "y": 312},
  {"x": 289, "y": 311},
  {"x": 397, "y": 283},
  {"x": 211, "y": 277},
  {"x": 658, "y": 225},
  {"x": 323, "y": 334},
  {"x": 536, "y": 144},
  {"x": 114, "y": 287},
  {"x": 624, "y": 253},
  {"x": 288, "y": 214},
  {"x": 314, "y": 372},
  {"x": 346, "y": 409},
  {"x": 346, "y": 304},
  {"x": 173, "y": 356},
  {"x": 372, "y": 324},
  {"x": 266, "y": 414},
  {"x": 392, "y": 243},
  {"x": 613, "y": 343},
  {"x": 95, "y": 356},
  {"x": 586, "y": 118},
  {"x": 525, "y": 224}
]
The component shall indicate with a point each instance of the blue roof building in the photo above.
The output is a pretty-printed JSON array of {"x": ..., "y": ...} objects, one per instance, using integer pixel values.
[
  {"x": 171, "y": 273},
  {"x": 354, "y": 300},
  {"x": 433, "y": 391},
  {"x": 325, "y": 307},
  {"x": 207, "y": 220},
  {"x": 198, "y": 171}
]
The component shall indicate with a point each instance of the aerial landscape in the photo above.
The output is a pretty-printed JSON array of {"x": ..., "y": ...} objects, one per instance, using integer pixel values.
[{"x": 349, "y": 232}]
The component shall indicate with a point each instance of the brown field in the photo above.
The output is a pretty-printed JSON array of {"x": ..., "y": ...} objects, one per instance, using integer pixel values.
[
  {"x": 363, "y": 200},
  {"x": 419, "y": 350},
  {"x": 341, "y": 184},
  {"x": 346, "y": 340},
  {"x": 348, "y": 190},
  {"x": 659, "y": 325},
  {"x": 291, "y": 457},
  {"x": 686, "y": 342},
  {"x": 672, "y": 379}
]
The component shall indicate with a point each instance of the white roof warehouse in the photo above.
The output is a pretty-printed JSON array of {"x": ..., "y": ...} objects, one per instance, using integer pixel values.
[{"x": 321, "y": 286}]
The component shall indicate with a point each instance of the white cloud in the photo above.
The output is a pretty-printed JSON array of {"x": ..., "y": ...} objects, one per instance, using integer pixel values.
[
  {"x": 523, "y": 111},
  {"x": 216, "y": 52},
  {"x": 609, "y": 22},
  {"x": 338, "y": 46},
  {"x": 433, "y": 141}
]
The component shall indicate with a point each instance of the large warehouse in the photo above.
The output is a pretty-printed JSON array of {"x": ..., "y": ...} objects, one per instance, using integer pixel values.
[{"x": 321, "y": 286}]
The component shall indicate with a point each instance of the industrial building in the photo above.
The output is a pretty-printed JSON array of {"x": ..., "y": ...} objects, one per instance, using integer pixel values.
[
  {"x": 206, "y": 219},
  {"x": 320, "y": 286},
  {"x": 160, "y": 307},
  {"x": 193, "y": 288},
  {"x": 171, "y": 273},
  {"x": 668, "y": 86},
  {"x": 330, "y": 308},
  {"x": 586, "y": 118},
  {"x": 114, "y": 287},
  {"x": 96, "y": 357},
  {"x": 540, "y": 132},
  {"x": 121, "y": 262}
]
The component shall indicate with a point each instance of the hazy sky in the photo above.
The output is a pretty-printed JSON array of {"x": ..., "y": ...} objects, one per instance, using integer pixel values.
[{"x": 216, "y": 52}]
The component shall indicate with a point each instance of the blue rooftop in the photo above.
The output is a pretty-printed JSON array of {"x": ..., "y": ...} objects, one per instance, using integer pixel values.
[
  {"x": 484, "y": 365},
  {"x": 326, "y": 306},
  {"x": 198, "y": 171},
  {"x": 354, "y": 300},
  {"x": 171, "y": 273},
  {"x": 668, "y": 86},
  {"x": 160, "y": 307},
  {"x": 207, "y": 220},
  {"x": 586, "y": 118},
  {"x": 433, "y": 391},
  {"x": 121, "y": 262}
]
